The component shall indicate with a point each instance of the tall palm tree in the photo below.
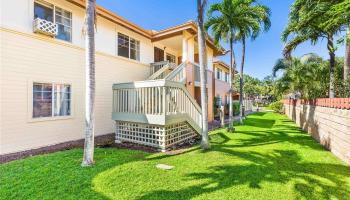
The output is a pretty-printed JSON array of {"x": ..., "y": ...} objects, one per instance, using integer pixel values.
[
  {"x": 254, "y": 18},
  {"x": 340, "y": 18},
  {"x": 222, "y": 19},
  {"x": 90, "y": 19},
  {"x": 201, "y": 4},
  {"x": 306, "y": 20}
]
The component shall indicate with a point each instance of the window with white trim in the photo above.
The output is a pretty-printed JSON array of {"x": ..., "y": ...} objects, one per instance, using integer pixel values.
[
  {"x": 51, "y": 100},
  {"x": 226, "y": 77},
  {"x": 128, "y": 47},
  {"x": 52, "y": 13},
  {"x": 218, "y": 74}
]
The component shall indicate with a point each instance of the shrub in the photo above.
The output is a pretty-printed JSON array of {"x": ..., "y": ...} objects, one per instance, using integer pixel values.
[
  {"x": 235, "y": 108},
  {"x": 277, "y": 106}
]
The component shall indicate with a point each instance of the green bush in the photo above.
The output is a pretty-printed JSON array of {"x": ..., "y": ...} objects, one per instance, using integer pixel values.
[
  {"x": 277, "y": 106},
  {"x": 235, "y": 108}
]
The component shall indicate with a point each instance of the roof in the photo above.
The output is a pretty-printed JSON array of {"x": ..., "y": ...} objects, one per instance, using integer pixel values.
[
  {"x": 222, "y": 63},
  {"x": 189, "y": 26}
]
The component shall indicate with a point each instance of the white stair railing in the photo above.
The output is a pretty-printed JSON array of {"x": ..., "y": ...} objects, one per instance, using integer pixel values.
[
  {"x": 178, "y": 74},
  {"x": 157, "y": 102},
  {"x": 157, "y": 66}
]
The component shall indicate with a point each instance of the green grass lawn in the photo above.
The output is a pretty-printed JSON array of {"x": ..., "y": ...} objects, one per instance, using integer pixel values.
[{"x": 268, "y": 158}]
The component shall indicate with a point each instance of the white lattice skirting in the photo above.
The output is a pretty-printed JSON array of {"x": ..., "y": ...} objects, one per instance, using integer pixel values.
[{"x": 158, "y": 136}]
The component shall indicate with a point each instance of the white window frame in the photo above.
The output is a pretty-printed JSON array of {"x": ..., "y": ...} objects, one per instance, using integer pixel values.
[
  {"x": 218, "y": 72},
  {"x": 47, "y": 4},
  {"x": 138, "y": 50},
  {"x": 227, "y": 77},
  {"x": 52, "y": 117}
]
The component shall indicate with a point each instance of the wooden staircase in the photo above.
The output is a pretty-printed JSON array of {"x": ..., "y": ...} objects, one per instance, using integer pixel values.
[{"x": 157, "y": 112}]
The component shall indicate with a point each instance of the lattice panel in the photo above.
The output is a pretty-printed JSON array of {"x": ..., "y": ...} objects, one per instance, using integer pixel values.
[
  {"x": 45, "y": 27},
  {"x": 145, "y": 134},
  {"x": 157, "y": 136},
  {"x": 177, "y": 133}
]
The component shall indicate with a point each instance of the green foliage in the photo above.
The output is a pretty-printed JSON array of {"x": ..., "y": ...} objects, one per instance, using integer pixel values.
[
  {"x": 235, "y": 108},
  {"x": 309, "y": 76},
  {"x": 231, "y": 20},
  {"x": 277, "y": 106},
  {"x": 267, "y": 158},
  {"x": 306, "y": 23},
  {"x": 215, "y": 106}
]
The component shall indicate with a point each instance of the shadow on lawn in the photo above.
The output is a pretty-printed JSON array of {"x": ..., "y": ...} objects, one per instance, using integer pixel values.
[
  {"x": 59, "y": 175},
  {"x": 281, "y": 166},
  {"x": 310, "y": 180}
]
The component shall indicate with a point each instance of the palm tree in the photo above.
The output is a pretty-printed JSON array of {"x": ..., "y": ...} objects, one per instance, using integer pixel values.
[
  {"x": 305, "y": 75},
  {"x": 234, "y": 20},
  {"x": 306, "y": 23},
  {"x": 201, "y": 4},
  {"x": 340, "y": 18},
  {"x": 283, "y": 63},
  {"x": 221, "y": 20},
  {"x": 88, "y": 158},
  {"x": 254, "y": 17}
]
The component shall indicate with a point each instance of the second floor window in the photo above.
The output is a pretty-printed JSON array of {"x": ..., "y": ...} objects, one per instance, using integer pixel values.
[
  {"x": 219, "y": 74},
  {"x": 128, "y": 47},
  {"x": 226, "y": 77},
  {"x": 171, "y": 58},
  {"x": 57, "y": 15}
]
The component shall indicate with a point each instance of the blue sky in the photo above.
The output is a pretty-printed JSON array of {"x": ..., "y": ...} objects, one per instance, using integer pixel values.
[{"x": 261, "y": 54}]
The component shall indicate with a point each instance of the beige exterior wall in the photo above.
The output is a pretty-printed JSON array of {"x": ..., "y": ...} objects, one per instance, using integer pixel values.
[
  {"x": 221, "y": 87},
  {"x": 329, "y": 126},
  {"x": 26, "y": 58},
  {"x": 19, "y": 14}
]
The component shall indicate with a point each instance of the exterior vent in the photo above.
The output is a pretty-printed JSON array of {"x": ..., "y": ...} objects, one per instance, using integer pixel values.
[{"x": 45, "y": 27}]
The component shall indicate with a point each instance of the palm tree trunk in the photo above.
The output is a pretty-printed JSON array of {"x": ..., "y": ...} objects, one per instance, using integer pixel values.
[
  {"x": 347, "y": 55},
  {"x": 203, "y": 73},
  {"x": 88, "y": 158},
  {"x": 241, "y": 113},
  {"x": 330, "y": 46},
  {"x": 231, "y": 79}
]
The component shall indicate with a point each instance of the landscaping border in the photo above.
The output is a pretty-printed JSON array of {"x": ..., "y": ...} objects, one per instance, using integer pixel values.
[{"x": 101, "y": 140}]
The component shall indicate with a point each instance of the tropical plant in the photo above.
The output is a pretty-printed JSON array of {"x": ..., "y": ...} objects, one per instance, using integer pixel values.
[
  {"x": 277, "y": 106},
  {"x": 252, "y": 86},
  {"x": 237, "y": 20},
  {"x": 201, "y": 4},
  {"x": 254, "y": 18},
  {"x": 90, "y": 19},
  {"x": 308, "y": 76},
  {"x": 221, "y": 21},
  {"x": 306, "y": 20},
  {"x": 340, "y": 17}
]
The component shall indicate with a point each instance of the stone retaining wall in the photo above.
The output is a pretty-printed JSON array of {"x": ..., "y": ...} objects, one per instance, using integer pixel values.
[{"x": 328, "y": 125}]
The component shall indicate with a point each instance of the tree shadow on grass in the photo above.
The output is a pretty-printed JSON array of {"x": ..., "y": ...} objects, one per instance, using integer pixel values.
[
  {"x": 59, "y": 175},
  {"x": 311, "y": 180}
]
